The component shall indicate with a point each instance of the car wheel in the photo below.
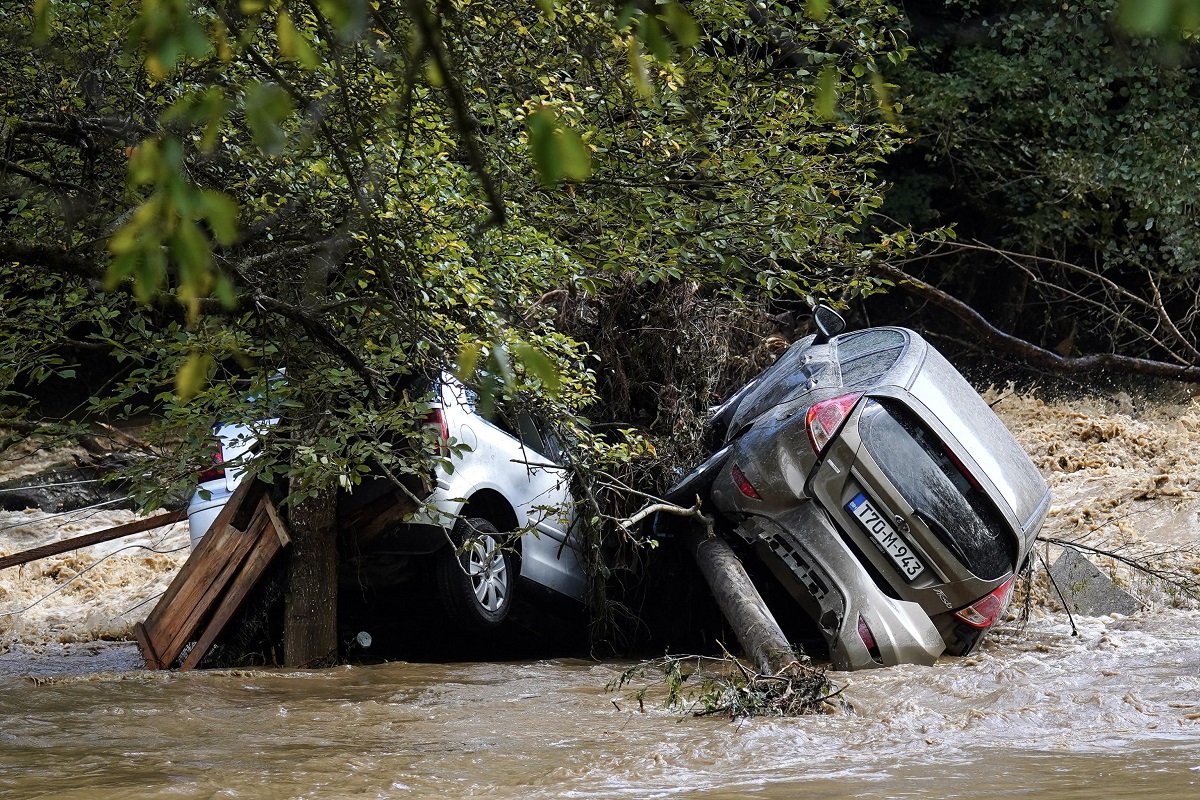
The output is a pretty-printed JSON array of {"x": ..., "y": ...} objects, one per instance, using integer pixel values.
[{"x": 477, "y": 576}]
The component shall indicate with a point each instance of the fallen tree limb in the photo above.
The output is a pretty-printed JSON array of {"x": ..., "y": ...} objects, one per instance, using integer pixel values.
[
  {"x": 1167, "y": 566},
  {"x": 759, "y": 634},
  {"x": 1031, "y": 353}
]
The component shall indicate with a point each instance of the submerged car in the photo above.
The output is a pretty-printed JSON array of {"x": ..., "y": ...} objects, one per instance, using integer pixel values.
[
  {"x": 881, "y": 491},
  {"x": 500, "y": 514}
]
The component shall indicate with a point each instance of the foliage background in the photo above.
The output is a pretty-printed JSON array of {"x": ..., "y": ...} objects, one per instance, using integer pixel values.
[{"x": 1063, "y": 150}]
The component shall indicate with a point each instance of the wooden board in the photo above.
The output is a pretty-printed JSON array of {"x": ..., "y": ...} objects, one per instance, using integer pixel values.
[
  {"x": 272, "y": 539},
  {"x": 212, "y": 584},
  {"x": 89, "y": 539}
]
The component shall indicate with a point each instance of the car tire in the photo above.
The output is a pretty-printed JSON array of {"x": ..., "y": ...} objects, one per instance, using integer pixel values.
[{"x": 478, "y": 575}]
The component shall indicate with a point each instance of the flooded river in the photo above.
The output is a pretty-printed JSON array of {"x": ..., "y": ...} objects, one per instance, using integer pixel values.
[{"x": 1113, "y": 712}]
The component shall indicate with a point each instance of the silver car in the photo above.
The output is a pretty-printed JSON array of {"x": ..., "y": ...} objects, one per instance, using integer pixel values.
[
  {"x": 500, "y": 511},
  {"x": 879, "y": 489}
]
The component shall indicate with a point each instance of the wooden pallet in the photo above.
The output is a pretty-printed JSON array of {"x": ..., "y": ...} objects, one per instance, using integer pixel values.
[{"x": 213, "y": 583}]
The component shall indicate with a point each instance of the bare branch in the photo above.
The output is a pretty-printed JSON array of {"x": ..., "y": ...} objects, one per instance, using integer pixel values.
[
  {"x": 51, "y": 257},
  {"x": 1033, "y": 354},
  {"x": 669, "y": 508},
  {"x": 1182, "y": 579}
]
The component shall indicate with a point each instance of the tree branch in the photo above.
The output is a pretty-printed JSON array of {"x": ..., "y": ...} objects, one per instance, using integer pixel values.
[
  {"x": 464, "y": 123},
  {"x": 7, "y": 166},
  {"x": 1046, "y": 359},
  {"x": 322, "y": 334},
  {"x": 58, "y": 259}
]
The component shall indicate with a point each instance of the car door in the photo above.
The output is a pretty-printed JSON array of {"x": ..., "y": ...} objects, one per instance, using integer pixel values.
[
  {"x": 550, "y": 552},
  {"x": 509, "y": 455}
]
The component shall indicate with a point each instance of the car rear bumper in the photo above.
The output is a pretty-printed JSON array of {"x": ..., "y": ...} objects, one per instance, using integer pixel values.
[
  {"x": 203, "y": 512},
  {"x": 806, "y": 553}
]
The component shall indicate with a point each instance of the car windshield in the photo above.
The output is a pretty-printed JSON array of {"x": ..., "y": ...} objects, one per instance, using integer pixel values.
[{"x": 945, "y": 498}]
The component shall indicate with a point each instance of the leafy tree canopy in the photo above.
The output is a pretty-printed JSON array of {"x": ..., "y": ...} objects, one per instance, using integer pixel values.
[
  {"x": 1053, "y": 133},
  {"x": 197, "y": 194}
]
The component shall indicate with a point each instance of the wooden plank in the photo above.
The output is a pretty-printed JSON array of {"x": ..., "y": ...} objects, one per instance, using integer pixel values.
[
  {"x": 365, "y": 525},
  {"x": 148, "y": 654},
  {"x": 89, "y": 539},
  {"x": 177, "y": 614},
  {"x": 192, "y": 607},
  {"x": 203, "y": 567},
  {"x": 281, "y": 531},
  {"x": 210, "y": 541},
  {"x": 270, "y": 543}
]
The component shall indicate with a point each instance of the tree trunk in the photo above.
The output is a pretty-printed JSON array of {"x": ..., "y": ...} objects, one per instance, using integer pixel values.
[
  {"x": 757, "y": 631},
  {"x": 310, "y": 604}
]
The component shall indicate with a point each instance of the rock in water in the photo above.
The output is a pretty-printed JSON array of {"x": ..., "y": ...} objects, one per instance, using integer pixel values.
[{"x": 1087, "y": 590}]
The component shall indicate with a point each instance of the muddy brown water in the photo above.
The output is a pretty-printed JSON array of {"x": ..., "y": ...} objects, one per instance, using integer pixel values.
[{"x": 1112, "y": 712}]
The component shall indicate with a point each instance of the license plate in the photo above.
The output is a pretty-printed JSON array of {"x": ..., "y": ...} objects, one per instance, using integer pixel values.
[{"x": 880, "y": 528}]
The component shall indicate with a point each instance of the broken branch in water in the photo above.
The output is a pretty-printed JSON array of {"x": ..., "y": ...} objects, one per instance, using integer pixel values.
[{"x": 725, "y": 685}]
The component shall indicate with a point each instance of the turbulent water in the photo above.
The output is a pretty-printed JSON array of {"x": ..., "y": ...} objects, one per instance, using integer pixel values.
[{"x": 1111, "y": 712}]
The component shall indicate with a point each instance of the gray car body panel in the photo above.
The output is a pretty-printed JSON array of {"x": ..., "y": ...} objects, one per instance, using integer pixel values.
[{"x": 802, "y": 513}]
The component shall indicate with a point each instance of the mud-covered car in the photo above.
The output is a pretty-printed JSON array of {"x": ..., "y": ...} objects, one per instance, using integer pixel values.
[{"x": 879, "y": 489}]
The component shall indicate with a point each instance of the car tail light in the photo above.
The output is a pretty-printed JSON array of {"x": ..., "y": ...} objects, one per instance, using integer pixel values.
[
  {"x": 435, "y": 418},
  {"x": 743, "y": 483},
  {"x": 216, "y": 470},
  {"x": 825, "y": 419},
  {"x": 868, "y": 638},
  {"x": 984, "y": 612}
]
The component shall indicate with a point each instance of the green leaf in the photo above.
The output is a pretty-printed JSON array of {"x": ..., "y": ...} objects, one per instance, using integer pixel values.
[
  {"x": 145, "y": 163},
  {"x": 433, "y": 74},
  {"x": 347, "y": 16},
  {"x": 192, "y": 375},
  {"x": 191, "y": 251},
  {"x": 224, "y": 291},
  {"x": 541, "y": 144},
  {"x": 467, "y": 361},
  {"x": 293, "y": 44},
  {"x": 150, "y": 270},
  {"x": 538, "y": 366},
  {"x": 626, "y": 15},
  {"x": 884, "y": 97},
  {"x": 221, "y": 212},
  {"x": 558, "y": 151},
  {"x": 817, "y": 9},
  {"x": 682, "y": 24},
  {"x": 42, "y": 18},
  {"x": 827, "y": 92},
  {"x": 503, "y": 367},
  {"x": 214, "y": 107},
  {"x": 574, "y": 157},
  {"x": 1147, "y": 17},
  {"x": 121, "y": 268},
  {"x": 267, "y": 106},
  {"x": 651, "y": 33},
  {"x": 637, "y": 66}
]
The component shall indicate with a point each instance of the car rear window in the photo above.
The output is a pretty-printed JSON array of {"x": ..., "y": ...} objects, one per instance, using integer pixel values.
[
  {"x": 851, "y": 346},
  {"x": 864, "y": 356},
  {"x": 951, "y": 504}
]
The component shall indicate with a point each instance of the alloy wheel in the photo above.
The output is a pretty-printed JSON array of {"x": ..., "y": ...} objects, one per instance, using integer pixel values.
[{"x": 488, "y": 572}]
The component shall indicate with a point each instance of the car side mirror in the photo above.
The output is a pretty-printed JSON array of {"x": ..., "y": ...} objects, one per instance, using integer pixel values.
[{"x": 829, "y": 323}]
